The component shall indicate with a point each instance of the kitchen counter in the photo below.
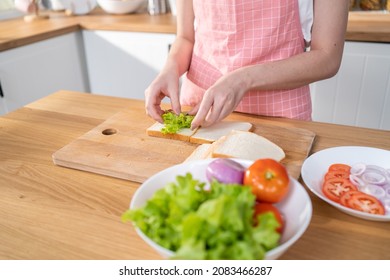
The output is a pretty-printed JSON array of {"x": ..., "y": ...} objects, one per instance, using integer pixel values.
[
  {"x": 362, "y": 26},
  {"x": 368, "y": 27},
  {"x": 52, "y": 212},
  {"x": 16, "y": 32}
]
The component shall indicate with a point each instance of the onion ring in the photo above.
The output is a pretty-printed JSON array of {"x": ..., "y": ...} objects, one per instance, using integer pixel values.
[
  {"x": 358, "y": 169},
  {"x": 376, "y": 191}
]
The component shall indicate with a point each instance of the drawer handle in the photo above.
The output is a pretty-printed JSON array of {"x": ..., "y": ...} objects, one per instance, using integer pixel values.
[{"x": 1, "y": 91}]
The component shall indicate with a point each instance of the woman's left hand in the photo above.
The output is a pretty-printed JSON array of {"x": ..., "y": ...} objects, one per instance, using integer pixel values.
[{"x": 219, "y": 100}]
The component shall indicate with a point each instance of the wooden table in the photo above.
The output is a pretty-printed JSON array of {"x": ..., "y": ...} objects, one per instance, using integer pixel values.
[{"x": 51, "y": 212}]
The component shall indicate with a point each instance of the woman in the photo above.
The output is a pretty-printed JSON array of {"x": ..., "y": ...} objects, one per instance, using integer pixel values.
[{"x": 249, "y": 56}]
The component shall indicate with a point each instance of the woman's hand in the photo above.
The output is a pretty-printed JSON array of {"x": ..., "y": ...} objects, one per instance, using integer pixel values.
[
  {"x": 165, "y": 85},
  {"x": 220, "y": 100}
]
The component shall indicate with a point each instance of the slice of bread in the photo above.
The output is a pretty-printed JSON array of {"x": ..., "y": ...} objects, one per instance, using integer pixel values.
[
  {"x": 216, "y": 131},
  {"x": 247, "y": 145},
  {"x": 201, "y": 152},
  {"x": 183, "y": 135},
  {"x": 201, "y": 135}
]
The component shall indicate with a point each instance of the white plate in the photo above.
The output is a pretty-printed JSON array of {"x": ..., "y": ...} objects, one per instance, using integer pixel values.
[{"x": 315, "y": 167}]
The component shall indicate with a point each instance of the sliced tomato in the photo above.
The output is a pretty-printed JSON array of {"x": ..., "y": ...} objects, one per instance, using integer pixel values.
[
  {"x": 264, "y": 207},
  {"x": 345, "y": 197},
  {"x": 335, "y": 187},
  {"x": 336, "y": 174},
  {"x": 340, "y": 167},
  {"x": 363, "y": 202}
]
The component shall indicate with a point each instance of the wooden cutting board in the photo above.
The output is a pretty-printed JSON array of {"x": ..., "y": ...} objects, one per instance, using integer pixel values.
[{"x": 120, "y": 147}]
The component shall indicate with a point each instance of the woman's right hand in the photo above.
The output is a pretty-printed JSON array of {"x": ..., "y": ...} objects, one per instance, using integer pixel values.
[{"x": 166, "y": 84}]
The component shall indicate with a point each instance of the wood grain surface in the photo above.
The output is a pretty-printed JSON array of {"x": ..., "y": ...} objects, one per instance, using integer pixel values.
[
  {"x": 52, "y": 212},
  {"x": 120, "y": 147}
]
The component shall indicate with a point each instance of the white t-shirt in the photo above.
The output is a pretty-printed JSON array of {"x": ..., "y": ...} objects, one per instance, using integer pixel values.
[{"x": 306, "y": 16}]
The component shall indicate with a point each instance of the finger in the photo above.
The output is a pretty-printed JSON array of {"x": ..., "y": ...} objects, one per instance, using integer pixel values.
[
  {"x": 175, "y": 103},
  {"x": 194, "y": 110},
  {"x": 203, "y": 110},
  {"x": 155, "y": 113},
  {"x": 218, "y": 112},
  {"x": 152, "y": 106},
  {"x": 223, "y": 113},
  {"x": 212, "y": 116}
]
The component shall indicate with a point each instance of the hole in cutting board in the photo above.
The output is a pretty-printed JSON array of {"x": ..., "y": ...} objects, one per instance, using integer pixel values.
[{"x": 109, "y": 131}]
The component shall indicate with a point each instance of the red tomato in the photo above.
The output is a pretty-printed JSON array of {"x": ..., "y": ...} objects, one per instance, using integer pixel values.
[
  {"x": 335, "y": 187},
  {"x": 336, "y": 174},
  {"x": 345, "y": 197},
  {"x": 340, "y": 167},
  {"x": 362, "y": 202},
  {"x": 268, "y": 180},
  {"x": 264, "y": 207}
]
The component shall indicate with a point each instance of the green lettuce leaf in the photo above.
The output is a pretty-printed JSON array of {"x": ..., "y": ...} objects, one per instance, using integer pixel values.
[{"x": 174, "y": 123}]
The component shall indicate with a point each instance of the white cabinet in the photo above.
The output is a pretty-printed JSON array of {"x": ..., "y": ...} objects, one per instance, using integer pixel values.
[
  {"x": 33, "y": 71},
  {"x": 359, "y": 95},
  {"x": 123, "y": 64}
]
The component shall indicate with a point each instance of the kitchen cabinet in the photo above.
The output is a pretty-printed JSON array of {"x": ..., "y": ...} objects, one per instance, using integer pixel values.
[
  {"x": 33, "y": 71},
  {"x": 359, "y": 95},
  {"x": 123, "y": 64}
]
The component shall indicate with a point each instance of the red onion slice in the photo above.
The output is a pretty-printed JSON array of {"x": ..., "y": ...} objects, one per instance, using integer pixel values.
[
  {"x": 387, "y": 190},
  {"x": 376, "y": 191},
  {"x": 356, "y": 181},
  {"x": 358, "y": 169},
  {"x": 386, "y": 204},
  {"x": 379, "y": 170},
  {"x": 374, "y": 178}
]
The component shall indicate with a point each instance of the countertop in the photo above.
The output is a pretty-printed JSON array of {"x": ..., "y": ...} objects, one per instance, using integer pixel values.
[
  {"x": 16, "y": 32},
  {"x": 52, "y": 212},
  {"x": 362, "y": 26}
]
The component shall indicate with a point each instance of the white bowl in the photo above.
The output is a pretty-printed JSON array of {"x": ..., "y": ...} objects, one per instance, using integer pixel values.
[
  {"x": 120, "y": 6},
  {"x": 296, "y": 207}
]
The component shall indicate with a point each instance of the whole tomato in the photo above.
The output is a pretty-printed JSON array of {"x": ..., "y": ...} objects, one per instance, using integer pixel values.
[
  {"x": 264, "y": 207},
  {"x": 268, "y": 180}
]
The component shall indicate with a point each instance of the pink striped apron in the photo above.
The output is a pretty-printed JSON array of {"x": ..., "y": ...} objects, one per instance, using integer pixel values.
[{"x": 230, "y": 34}]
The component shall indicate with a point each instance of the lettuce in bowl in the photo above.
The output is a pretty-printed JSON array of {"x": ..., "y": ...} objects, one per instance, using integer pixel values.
[{"x": 195, "y": 222}]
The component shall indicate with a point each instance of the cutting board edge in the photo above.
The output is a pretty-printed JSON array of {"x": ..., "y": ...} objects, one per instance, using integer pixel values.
[{"x": 99, "y": 171}]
